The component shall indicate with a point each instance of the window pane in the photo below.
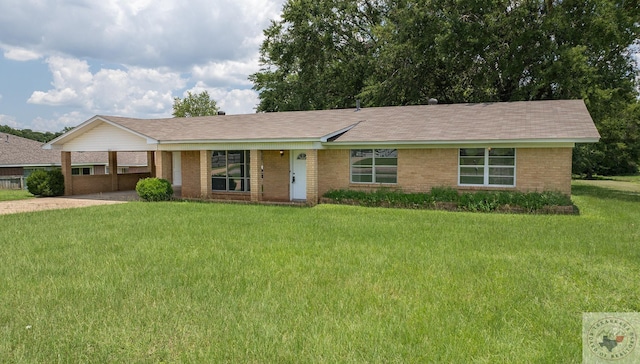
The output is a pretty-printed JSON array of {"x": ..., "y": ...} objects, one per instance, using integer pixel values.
[
  {"x": 361, "y": 178},
  {"x": 386, "y": 153},
  {"x": 362, "y": 157},
  {"x": 75, "y": 171},
  {"x": 472, "y": 161},
  {"x": 219, "y": 184},
  {"x": 386, "y": 174},
  {"x": 219, "y": 163},
  {"x": 497, "y": 171},
  {"x": 472, "y": 180},
  {"x": 472, "y": 152},
  {"x": 507, "y": 181},
  {"x": 502, "y": 152},
  {"x": 386, "y": 161},
  {"x": 501, "y": 161},
  {"x": 472, "y": 171}
]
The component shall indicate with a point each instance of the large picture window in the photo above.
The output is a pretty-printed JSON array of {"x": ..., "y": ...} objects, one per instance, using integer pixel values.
[
  {"x": 374, "y": 165},
  {"x": 487, "y": 166},
  {"x": 230, "y": 170}
]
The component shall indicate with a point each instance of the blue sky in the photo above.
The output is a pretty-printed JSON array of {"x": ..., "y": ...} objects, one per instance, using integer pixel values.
[{"x": 61, "y": 62}]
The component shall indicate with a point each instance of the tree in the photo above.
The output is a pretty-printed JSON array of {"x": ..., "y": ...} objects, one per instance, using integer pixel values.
[
  {"x": 194, "y": 105},
  {"x": 326, "y": 53}
]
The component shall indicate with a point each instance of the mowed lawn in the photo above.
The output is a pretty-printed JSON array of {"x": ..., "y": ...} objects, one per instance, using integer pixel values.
[{"x": 198, "y": 282}]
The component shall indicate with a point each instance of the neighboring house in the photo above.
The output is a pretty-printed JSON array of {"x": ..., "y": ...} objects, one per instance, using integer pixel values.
[
  {"x": 20, "y": 156},
  {"x": 298, "y": 156}
]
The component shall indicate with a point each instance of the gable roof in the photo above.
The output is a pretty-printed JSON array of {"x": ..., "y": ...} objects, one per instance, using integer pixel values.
[
  {"x": 527, "y": 121},
  {"x": 16, "y": 151}
]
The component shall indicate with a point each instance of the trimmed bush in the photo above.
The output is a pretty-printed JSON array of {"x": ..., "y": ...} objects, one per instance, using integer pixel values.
[
  {"x": 154, "y": 189},
  {"x": 449, "y": 198},
  {"x": 46, "y": 183}
]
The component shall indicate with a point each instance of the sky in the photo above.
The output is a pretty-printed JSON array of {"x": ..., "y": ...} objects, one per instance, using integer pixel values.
[{"x": 64, "y": 61}]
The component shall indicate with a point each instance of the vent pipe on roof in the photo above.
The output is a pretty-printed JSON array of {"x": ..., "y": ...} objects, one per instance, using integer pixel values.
[
  {"x": 222, "y": 113},
  {"x": 433, "y": 101},
  {"x": 7, "y": 139},
  {"x": 358, "y": 105}
]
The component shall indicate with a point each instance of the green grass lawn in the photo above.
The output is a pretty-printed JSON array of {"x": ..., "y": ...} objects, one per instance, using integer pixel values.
[
  {"x": 11, "y": 195},
  {"x": 197, "y": 282}
]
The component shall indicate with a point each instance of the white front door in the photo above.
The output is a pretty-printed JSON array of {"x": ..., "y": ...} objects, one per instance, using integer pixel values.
[
  {"x": 298, "y": 176},
  {"x": 177, "y": 168}
]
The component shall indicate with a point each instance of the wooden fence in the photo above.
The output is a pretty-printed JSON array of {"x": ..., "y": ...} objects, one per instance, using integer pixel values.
[{"x": 12, "y": 182}]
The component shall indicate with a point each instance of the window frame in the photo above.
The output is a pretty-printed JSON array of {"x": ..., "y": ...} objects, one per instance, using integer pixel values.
[
  {"x": 81, "y": 170},
  {"x": 487, "y": 168},
  {"x": 244, "y": 179},
  {"x": 374, "y": 174}
]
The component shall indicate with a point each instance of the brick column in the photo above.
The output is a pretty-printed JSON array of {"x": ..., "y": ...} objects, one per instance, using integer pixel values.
[
  {"x": 65, "y": 159},
  {"x": 312, "y": 176},
  {"x": 205, "y": 173},
  {"x": 164, "y": 161},
  {"x": 113, "y": 170},
  {"x": 151, "y": 163},
  {"x": 255, "y": 171}
]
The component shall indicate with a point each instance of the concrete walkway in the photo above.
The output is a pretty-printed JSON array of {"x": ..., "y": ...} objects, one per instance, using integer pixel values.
[{"x": 66, "y": 202}]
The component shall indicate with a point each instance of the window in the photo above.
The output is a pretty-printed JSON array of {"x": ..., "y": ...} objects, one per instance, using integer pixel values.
[
  {"x": 374, "y": 165},
  {"x": 487, "y": 166},
  {"x": 230, "y": 170},
  {"x": 81, "y": 171}
]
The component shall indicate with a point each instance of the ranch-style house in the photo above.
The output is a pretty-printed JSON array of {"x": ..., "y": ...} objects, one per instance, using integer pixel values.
[{"x": 298, "y": 156}]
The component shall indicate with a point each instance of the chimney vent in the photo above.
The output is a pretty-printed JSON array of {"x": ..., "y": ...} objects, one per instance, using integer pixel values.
[
  {"x": 433, "y": 101},
  {"x": 221, "y": 113},
  {"x": 358, "y": 105}
]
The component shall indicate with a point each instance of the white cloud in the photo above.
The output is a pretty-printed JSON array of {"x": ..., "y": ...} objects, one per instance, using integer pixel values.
[
  {"x": 59, "y": 122},
  {"x": 143, "y": 33},
  {"x": 231, "y": 101},
  {"x": 226, "y": 73},
  {"x": 8, "y": 120},
  {"x": 132, "y": 92},
  {"x": 20, "y": 54}
]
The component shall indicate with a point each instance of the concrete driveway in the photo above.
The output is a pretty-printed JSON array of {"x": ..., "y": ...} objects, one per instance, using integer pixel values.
[{"x": 52, "y": 203}]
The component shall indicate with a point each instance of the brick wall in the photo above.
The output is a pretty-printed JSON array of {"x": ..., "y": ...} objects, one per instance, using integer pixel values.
[
  {"x": 276, "y": 176},
  {"x": 419, "y": 170},
  {"x": 543, "y": 169},
  {"x": 11, "y": 171},
  {"x": 333, "y": 170},
  {"x": 191, "y": 186}
]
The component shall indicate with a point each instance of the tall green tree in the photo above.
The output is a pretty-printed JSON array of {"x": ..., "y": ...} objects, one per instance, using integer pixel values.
[
  {"x": 325, "y": 53},
  {"x": 194, "y": 105}
]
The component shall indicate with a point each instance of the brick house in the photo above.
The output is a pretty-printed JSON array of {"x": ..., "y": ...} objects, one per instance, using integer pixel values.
[
  {"x": 298, "y": 156},
  {"x": 20, "y": 156}
]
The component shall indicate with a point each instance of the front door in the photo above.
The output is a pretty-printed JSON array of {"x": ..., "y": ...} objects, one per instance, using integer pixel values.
[
  {"x": 298, "y": 176},
  {"x": 177, "y": 168}
]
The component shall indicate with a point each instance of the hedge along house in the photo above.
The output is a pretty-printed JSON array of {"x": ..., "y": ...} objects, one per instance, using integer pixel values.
[{"x": 298, "y": 156}]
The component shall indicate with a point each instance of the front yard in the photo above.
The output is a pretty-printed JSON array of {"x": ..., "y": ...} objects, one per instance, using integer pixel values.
[{"x": 200, "y": 282}]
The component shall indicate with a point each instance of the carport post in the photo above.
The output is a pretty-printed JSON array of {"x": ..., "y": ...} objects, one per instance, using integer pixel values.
[
  {"x": 65, "y": 159},
  {"x": 113, "y": 170}
]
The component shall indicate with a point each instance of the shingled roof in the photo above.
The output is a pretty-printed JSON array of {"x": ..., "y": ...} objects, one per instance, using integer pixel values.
[
  {"x": 527, "y": 121},
  {"x": 21, "y": 152}
]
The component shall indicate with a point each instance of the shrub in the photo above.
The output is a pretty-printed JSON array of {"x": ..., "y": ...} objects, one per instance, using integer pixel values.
[
  {"x": 46, "y": 183},
  {"x": 484, "y": 201},
  {"x": 154, "y": 189},
  {"x": 36, "y": 181}
]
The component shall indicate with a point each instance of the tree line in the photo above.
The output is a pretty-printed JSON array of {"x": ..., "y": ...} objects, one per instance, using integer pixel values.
[{"x": 324, "y": 54}]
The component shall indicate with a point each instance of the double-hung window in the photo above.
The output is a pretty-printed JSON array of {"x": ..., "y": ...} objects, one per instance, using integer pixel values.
[
  {"x": 487, "y": 167},
  {"x": 374, "y": 165},
  {"x": 230, "y": 170}
]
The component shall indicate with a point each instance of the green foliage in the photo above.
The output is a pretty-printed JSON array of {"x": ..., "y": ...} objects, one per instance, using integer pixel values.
[
  {"x": 194, "y": 105},
  {"x": 46, "y": 183},
  {"x": 42, "y": 137},
  {"x": 154, "y": 189},
  {"x": 13, "y": 195},
  {"x": 324, "y": 54},
  {"x": 481, "y": 201}
]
